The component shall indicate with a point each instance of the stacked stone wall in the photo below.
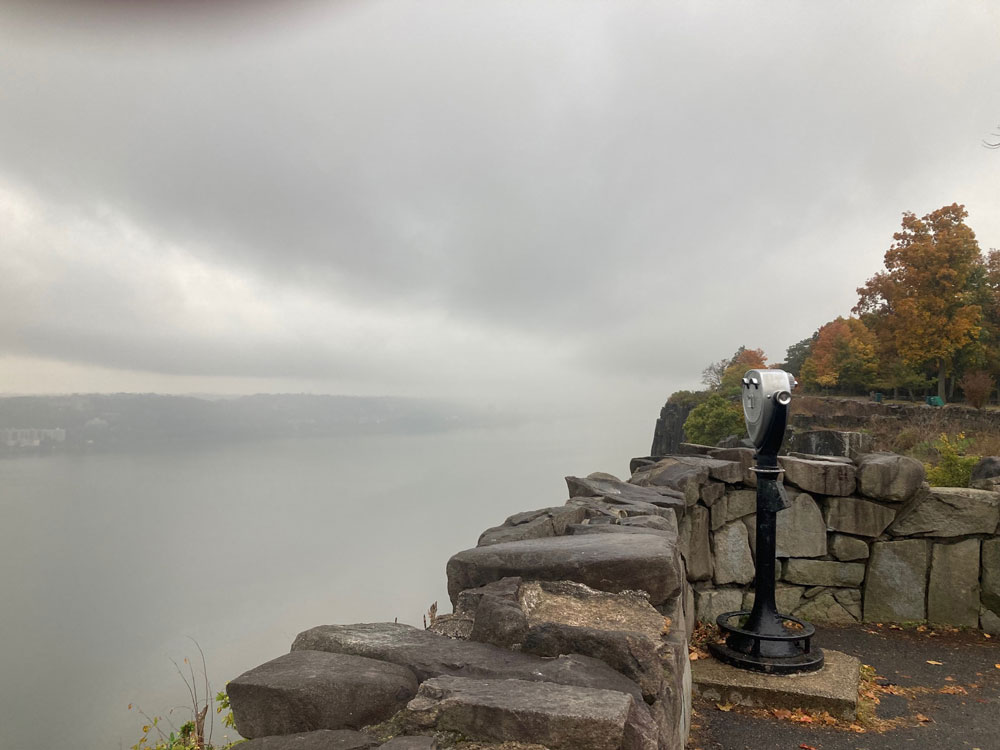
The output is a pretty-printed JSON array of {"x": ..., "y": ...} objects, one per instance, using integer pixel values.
[
  {"x": 864, "y": 539},
  {"x": 569, "y": 631}
]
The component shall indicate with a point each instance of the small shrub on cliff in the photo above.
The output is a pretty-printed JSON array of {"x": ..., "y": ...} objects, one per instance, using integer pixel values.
[
  {"x": 954, "y": 468},
  {"x": 689, "y": 399},
  {"x": 196, "y": 733},
  {"x": 713, "y": 420},
  {"x": 977, "y": 386}
]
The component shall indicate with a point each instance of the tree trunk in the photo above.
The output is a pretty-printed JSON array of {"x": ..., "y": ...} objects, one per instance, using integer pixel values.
[{"x": 941, "y": 381}]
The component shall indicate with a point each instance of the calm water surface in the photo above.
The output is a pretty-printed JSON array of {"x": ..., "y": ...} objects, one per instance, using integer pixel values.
[{"x": 110, "y": 564}]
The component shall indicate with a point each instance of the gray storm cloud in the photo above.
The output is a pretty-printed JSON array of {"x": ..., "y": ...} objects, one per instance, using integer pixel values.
[{"x": 438, "y": 197}]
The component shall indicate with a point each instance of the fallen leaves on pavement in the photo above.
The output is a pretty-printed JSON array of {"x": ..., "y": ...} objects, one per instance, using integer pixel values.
[{"x": 953, "y": 690}]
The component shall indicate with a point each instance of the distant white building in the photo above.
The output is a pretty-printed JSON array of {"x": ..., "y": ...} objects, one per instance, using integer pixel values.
[{"x": 31, "y": 437}]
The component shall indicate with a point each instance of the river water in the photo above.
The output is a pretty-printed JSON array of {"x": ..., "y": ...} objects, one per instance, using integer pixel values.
[{"x": 111, "y": 566}]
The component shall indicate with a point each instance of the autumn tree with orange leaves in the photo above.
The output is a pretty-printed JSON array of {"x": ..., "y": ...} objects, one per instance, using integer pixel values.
[
  {"x": 923, "y": 306},
  {"x": 843, "y": 355}
]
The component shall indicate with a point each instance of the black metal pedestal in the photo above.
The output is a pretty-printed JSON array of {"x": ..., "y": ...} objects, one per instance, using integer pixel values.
[{"x": 759, "y": 639}]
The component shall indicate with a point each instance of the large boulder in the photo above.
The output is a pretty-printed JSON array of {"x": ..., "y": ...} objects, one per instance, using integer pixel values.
[
  {"x": 896, "y": 586},
  {"x": 557, "y": 716},
  {"x": 308, "y": 690},
  {"x": 801, "y": 530},
  {"x": 733, "y": 561},
  {"x": 534, "y": 524},
  {"x": 988, "y": 467},
  {"x": 854, "y": 515},
  {"x": 887, "y": 476},
  {"x": 947, "y": 512},
  {"x": 498, "y": 618},
  {"x": 321, "y": 739},
  {"x": 953, "y": 590},
  {"x": 617, "y": 492},
  {"x": 744, "y": 457},
  {"x": 622, "y": 630},
  {"x": 818, "y": 476},
  {"x": 430, "y": 655},
  {"x": 608, "y": 562},
  {"x": 677, "y": 472},
  {"x": 460, "y": 623}
]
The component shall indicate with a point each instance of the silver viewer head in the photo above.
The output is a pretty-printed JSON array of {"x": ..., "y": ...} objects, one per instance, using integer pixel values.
[{"x": 766, "y": 394}]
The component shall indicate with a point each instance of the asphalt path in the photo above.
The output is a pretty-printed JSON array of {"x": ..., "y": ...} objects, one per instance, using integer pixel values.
[{"x": 937, "y": 689}]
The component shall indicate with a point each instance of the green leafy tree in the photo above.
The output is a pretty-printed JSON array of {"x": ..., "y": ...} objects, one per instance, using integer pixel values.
[
  {"x": 713, "y": 420},
  {"x": 797, "y": 353}
]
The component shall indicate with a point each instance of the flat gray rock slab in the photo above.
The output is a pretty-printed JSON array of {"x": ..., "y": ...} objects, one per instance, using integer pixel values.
[
  {"x": 819, "y": 477},
  {"x": 854, "y": 515},
  {"x": 744, "y": 457},
  {"x": 307, "y": 690},
  {"x": 833, "y": 688},
  {"x": 618, "y": 492},
  {"x": 953, "y": 589},
  {"x": 323, "y": 739},
  {"x": 430, "y": 655},
  {"x": 896, "y": 587},
  {"x": 607, "y": 562},
  {"x": 535, "y": 524},
  {"x": 823, "y": 573},
  {"x": 558, "y": 717},
  {"x": 949, "y": 511}
]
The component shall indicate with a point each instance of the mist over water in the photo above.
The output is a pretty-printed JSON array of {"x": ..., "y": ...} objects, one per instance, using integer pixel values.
[{"x": 110, "y": 564}]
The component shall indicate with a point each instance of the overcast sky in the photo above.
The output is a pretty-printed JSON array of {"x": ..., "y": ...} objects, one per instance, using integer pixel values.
[{"x": 537, "y": 201}]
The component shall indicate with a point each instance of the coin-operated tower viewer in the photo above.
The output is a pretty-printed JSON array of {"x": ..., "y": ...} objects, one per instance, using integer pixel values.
[{"x": 763, "y": 639}]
